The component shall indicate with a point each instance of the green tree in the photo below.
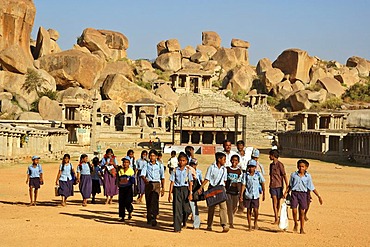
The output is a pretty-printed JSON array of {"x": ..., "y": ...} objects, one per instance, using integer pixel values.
[{"x": 34, "y": 82}]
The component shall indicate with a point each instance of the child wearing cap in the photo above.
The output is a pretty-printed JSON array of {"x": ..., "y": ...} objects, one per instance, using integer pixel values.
[
  {"x": 255, "y": 156},
  {"x": 125, "y": 181},
  {"x": 34, "y": 179},
  {"x": 250, "y": 185}
]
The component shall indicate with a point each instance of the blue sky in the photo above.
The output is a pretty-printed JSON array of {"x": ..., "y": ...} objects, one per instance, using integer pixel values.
[{"x": 331, "y": 30}]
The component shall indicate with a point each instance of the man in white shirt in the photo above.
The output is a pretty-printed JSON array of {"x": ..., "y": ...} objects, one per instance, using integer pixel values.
[{"x": 228, "y": 152}]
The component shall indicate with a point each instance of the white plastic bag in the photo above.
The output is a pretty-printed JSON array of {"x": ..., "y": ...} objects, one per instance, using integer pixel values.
[{"x": 284, "y": 222}]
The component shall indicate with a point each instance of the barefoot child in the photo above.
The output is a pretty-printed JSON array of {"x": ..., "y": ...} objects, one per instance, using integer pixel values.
[
  {"x": 251, "y": 182},
  {"x": 217, "y": 175},
  {"x": 153, "y": 176},
  {"x": 125, "y": 180},
  {"x": 64, "y": 179},
  {"x": 84, "y": 170},
  {"x": 300, "y": 183},
  {"x": 140, "y": 163},
  {"x": 233, "y": 185},
  {"x": 277, "y": 178},
  {"x": 34, "y": 178},
  {"x": 181, "y": 185},
  {"x": 95, "y": 178}
]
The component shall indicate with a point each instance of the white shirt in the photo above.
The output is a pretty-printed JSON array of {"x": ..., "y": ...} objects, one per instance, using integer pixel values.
[
  {"x": 173, "y": 162},
  {"x": 228, "y": 157}
]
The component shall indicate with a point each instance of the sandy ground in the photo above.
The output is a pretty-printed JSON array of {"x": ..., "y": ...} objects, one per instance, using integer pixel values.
[{"x": 341, "y": 221}]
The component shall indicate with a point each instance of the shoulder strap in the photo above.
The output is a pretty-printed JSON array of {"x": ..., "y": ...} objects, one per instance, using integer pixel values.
[{"x": 223, "y": 171}]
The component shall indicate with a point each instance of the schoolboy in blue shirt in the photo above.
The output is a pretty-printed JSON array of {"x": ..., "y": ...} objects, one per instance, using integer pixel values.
[
  {"x": 300, "y": 184},
  {"x": 217, "y": 175},
  {"x": 153, "y": 176},
  {"x": 251, "y": 182},
  {"x": 34, "y": 178}
]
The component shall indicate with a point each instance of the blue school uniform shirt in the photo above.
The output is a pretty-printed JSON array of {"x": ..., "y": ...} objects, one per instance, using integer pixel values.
[
  {"x": 301, "y": 184},
  {"x": 181, "y": 178},
  {"x": 95, "y": 174},
  {"x": 252, "y": 184},
  {"x": 66, "y": 172},
  {"x": 153, "y": 172},
  {"x": 215, "y": 175},
  {"x": 84, "y": 169},
  {"x": 140, "y": 163},
  {"x": 199, "y": 175},
  {"x": 34, "y": 172}
]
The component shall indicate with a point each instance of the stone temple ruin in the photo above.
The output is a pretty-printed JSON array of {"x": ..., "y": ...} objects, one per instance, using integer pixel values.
[{"x": 325, "y": 135}]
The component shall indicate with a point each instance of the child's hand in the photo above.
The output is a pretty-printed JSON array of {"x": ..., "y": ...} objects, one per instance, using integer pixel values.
[
  {"x": 169, "y": 197},
  {"x": 27, "y": 181},
  {"x": 56, "y": 182},
  {"x": 162, "y": 192},
  {"x": 241, "y": 199},
  {"x": 190, "y": 197},
  {"x": 263, "y": 196},
  {"x": 320, "y": 200}
]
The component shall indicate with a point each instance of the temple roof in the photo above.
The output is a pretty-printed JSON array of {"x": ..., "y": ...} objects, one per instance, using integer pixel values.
[{"x": 209, "y": 111}]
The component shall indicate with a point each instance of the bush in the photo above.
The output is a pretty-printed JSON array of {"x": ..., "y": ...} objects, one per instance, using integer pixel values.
[
  {"x": 33, "y": 82},
  {"x": 358, "y": 92},
  {"x": 272, "y": 101},
  {"x": 48, "y": 93},
  {"x": 146, "y": 85},
  {"x": 163, "y": 75},
  {"x": 330, "y": 104},
  {"x": 239, "y": 97}
]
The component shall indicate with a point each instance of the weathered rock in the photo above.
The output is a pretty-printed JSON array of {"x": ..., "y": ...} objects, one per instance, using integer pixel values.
[
  {"x": 316, "y": 74},
  {"x": 149, "y": 76},
  {"x": 14, "y": 83},
  {"x": 14, "y": 59},
  {"x": 295, "y": 62},
  {"x": 359, "y": 119},
  {"x": 42, "y": 43},
  {"x": 253, "y": 92},
  {"x": 360, "y": 64},
  {"x": 298, "y": 86},
  {"x": 187, "y": 102},
  {"x": 188, "y": 51},
  {"x": 117, "y": 67},
  {"x": 79, "y": 48},
  {"x": 240, "y": 43},
  {"x": 169, "y": 61},
  {"x": 209, "y": 65},
  {"x": 110, "y": 106},
  {"x": 347, "y": 79},
  {"x": 226, "y": 58},
  {"x": 50, "y": 109},
  {"x": 263, "y": 65},
  {"x": 143, "y": 65},
  {"x": 186, "y": 64},
  {"x": 73, "y": 93},
  {"x": 284, "y": 88},
  {"x": 161, "y": 48},
  {"x": 241, "y": 55},
  {"x": 317, "y": 96},
  {"x": 211, "y": 38},
  {"x": 49, "y": 82},
  {"x": 54, "y": 47},
  {"x": 173, "y": 45},
  {"x": 199, "y": 57},
  {"x": 112, "y": 44},
  {"x": 241, "y": 78},
  {"x": 9, "y": 110},
  {"x": 207, "y": 49},
  {"x": 119, "y": 89},
  {"x": 332, "y": 85},
  {"x": 54, "y": 34},
  {"x": 21, "y": 102},
  {"x": 6, "y": 96},
  {"x": 271, "y": 78},
  {"x": 29, "y": 116},
  {"x": 69, "y": 68},
  {"x": 299, "y": 100},
  {"x": 16, "y": 22},
  {"x": 166, "y": 93}
]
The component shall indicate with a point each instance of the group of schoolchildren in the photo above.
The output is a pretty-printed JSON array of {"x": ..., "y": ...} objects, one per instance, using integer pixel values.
[{"x": 240, "y": 174}]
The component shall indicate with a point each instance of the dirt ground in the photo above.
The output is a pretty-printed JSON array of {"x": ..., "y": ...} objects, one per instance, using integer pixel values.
[{"x": 341, "y": 221}]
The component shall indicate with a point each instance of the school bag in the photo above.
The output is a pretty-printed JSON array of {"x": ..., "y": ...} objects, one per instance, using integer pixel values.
[
  {"x": 284, "y": 222},
  {"x": 216, "y": 194}
]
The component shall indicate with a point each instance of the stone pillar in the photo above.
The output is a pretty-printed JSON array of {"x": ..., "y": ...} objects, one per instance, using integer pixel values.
[
  {"x": 200, "y": 137},
  {"x": 214, "y": 133},
  {"x": 187, "y": 84},
  {"x": 317, "y": 125},
  {"x": 94, "y": 125},
  {"x": 163, "y": 122},
  {"x": 176, "y": 81},
  {"x": 190, "y": 135},
  {"x": 2, "y": 144},
  {"x": 305, "y": 122},
  {"x": 200, "y": 84},
  {"x": 340, "y": 148},
  {"x": 225, "y": 135},
  {"x": 155, "y": 119},
  {"x": 133, "y": 120},
  {"x": 10, "y": 144},
  {"x": 331, "y": 123},
  {"x": 326, "y": 143}
]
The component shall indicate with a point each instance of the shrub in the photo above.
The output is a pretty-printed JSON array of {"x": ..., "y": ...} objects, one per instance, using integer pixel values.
[
  {"x": 358, "y": 92},
  {"x": 330, "y": 104},
  {"x": 163, "y": 75},
  {"x": 33, "y": 82}
]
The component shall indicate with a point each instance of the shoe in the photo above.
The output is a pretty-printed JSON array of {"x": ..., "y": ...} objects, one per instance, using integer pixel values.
[
  {"x": 209, "y": 228},
  {"x": 121, "y": 219},
  {"x": 232, "y": 226},
  {"x": 154, "y": 222},
  {"x": 129, "y": 216}
]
